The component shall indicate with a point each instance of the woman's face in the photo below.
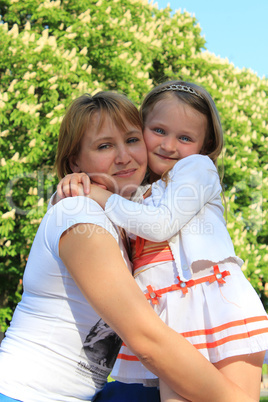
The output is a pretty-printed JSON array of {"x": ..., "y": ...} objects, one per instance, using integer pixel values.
[{"x": 114, "y": 157}]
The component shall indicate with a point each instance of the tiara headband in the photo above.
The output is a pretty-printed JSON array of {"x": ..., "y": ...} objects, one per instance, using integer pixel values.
[{"x": 179, "y": 87}]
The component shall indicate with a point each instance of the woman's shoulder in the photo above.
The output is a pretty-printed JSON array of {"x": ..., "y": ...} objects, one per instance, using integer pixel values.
[
  {"x": 75, "y": 205},
  {"x": 70, "y": 212},
  {"x": 74, "y": 210}
]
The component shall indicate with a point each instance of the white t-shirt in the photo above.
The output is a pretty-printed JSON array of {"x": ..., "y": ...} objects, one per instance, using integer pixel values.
[{"x": 57, "y": 348}]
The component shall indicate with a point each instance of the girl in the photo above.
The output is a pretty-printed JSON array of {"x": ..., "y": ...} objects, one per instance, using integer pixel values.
[{"x": 186, "y": 266}]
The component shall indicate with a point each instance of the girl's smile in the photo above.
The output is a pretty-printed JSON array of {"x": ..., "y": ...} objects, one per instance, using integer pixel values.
[{"x": 166, "y": 157}]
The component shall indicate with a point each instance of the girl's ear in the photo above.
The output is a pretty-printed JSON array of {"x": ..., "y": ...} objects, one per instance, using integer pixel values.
[{"x": 73, "y": 164}]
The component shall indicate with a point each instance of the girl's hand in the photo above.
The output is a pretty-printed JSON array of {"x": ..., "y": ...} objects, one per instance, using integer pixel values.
[{"x": 73, "y": 185}]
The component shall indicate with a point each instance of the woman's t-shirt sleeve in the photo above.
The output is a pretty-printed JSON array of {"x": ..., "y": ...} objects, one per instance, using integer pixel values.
[{"x": 73, "y": 211}]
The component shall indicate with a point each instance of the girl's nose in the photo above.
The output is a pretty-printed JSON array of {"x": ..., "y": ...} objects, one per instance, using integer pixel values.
[
  {"x": 123, "y": 156},
  {"x": 168, "y": 144}
]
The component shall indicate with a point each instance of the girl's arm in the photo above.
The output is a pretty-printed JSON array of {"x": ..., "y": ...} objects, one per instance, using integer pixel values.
[
  {"x": 111, "y": 290},
  {"x": 194, "y": 181}
]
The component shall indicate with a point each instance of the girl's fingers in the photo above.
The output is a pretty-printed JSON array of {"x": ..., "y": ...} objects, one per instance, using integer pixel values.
[
  {"x": 73, "y": 185},
  {"x": 60, "y": 193},
  {"x": 86, "y": 183}
]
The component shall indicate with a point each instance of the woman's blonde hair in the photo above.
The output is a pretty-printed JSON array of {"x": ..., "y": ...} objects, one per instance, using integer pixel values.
[
  {"x": 78, "y": 119},
  {"x": 196, "y": 97}
]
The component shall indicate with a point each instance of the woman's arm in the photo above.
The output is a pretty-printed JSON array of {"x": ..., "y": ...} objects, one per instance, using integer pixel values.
[{"x": 111, "y": 290}]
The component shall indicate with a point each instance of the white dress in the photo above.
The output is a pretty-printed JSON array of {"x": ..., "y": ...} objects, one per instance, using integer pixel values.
[{"x": 187, "y": 267}]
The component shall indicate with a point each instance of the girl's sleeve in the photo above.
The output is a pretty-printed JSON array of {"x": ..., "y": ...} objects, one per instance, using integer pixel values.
[{"x": 194, "y": 181}]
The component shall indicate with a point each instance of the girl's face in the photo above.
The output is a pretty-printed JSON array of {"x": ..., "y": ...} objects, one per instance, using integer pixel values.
[
  {"x": 172, "y": 131},
  {"x": 114, "y": 157}
]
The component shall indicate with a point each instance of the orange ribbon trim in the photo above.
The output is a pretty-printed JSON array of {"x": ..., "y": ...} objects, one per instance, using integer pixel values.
[
  {"x": 218, "y": 276},
  {"x": 139, "y": 245}
]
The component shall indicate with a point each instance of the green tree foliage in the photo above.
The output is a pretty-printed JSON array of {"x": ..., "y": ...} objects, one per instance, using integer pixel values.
[{"x": 53, "y": 51}]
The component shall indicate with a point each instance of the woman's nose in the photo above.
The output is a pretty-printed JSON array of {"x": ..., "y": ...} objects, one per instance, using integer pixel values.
[{"x": 123, "y": 156}]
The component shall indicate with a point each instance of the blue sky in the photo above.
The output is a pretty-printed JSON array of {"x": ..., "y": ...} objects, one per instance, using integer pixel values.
[{"x": 236, "y": 29}]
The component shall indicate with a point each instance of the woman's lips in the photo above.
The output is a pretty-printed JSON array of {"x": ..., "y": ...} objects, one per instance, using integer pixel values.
[{"x": 125, "y": 173}]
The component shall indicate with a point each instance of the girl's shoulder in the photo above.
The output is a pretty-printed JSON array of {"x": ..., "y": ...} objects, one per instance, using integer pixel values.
[
  {"x": 193, "y": 168},
  {"x": 192, "y": 163}
]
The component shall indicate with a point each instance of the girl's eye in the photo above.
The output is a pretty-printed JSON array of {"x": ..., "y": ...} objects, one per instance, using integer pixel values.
[
  {"x": 159, "y": 130},
  {"x": 185, "y": 139}
]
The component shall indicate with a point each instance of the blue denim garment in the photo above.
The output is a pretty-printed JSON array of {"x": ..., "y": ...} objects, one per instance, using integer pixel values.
[{"x": 119, "y": 392}]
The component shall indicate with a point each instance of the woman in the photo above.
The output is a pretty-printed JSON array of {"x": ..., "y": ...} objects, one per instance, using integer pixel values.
[{"x": 78, "y": 293}]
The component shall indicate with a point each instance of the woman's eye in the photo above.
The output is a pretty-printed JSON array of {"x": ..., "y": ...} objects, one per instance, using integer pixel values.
[
  {"x": 103, "y": 146},
  {"x": 159, "y": 130},
  {"x": 132, "y": 140}
]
